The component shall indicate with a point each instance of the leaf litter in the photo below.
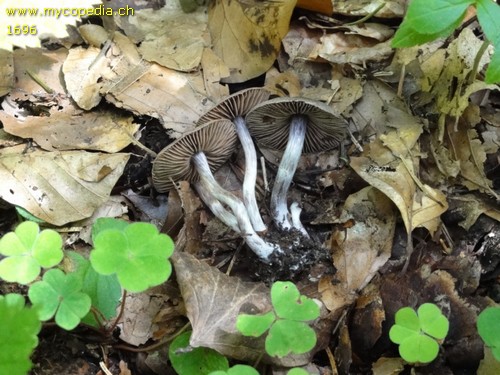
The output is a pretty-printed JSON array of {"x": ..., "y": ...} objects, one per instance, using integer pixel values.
[{"x": 408, "y": 188}]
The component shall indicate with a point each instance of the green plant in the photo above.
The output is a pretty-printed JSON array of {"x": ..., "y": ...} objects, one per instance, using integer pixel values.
[
  {"x": 104, "y": 291},
  {"x": 427, "y": 20},
  {"x": 27, "y": 250},
  {"x": 132, "y": 256},
  {"x": 60, "y": 294},
  {"x": 195, "y": 361},
  {"x": 237, "y": 370},
  {"x": 418, "y": 333},
  {"x": 488, "y": 326},
  {"x": 136, "y": 253},
  {"x": 288, "y": 330},
  {"x": 19, "y": 326}
]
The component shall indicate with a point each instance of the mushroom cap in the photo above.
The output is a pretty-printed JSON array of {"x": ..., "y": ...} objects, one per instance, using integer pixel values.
[
  {"x": 269, "y": 124},
  {"x": 237, "y": 104},
  {"x": 216, "y": 139}
]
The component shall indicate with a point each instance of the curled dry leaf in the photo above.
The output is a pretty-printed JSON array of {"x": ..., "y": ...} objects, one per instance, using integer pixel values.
[
  {"x": 58, "y": 187},
  {"x": 361, "y": 250},
  {"x": 247, "y": 34}
]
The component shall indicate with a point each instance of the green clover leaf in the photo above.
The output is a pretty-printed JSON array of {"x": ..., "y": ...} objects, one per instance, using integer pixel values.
[
  {"x": 288, "y": 330},
  {"x": 60, "y": 294},
  {"x": 254, "y": 325},
  {"x": 297, "y": 371},
  {"x": 19, "y": 326},
  {"x": 137, "y": 254},
  {"x": 237, "y": 370},
  {"x": 289, "y": 304},
  {"x": 27, "y": 250},
  {"x": 488, "y": 326},
  {"x": 417, "y": 332},
  {"x": 104, "y": 290},
  {"x": 289, "y": 336},
  {"x": 196, "y": 361}
]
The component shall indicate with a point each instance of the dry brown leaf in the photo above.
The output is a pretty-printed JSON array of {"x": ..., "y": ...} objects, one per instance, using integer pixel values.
[
  {"x": 474, "y": 206},
  {"x": 213, "y": 302},
  {"x": 388, "y": 366},
  {"x": 214, "y": 70},
  {"x": 399, "y": 183},
  {"x": 83, "y": 71},
  {"x": 339, "y": 48},
  {"x": 391, "y": 8},
  {"x": 176, "y": 99},
  {"x": 58, "y": 187},
  {"x": 381, "y": 110},
  {"x": 171, "y": 37},
  {"x": 489, "y": 365},
  {"x": 6, "y": 72},
  {"x": 94, "y": 35},
  {"x": 137, "y": 324},
  {"x": 61, "y": 131},
  {"x": 34, "y": 69},
  {"x": 451, "y": 87},
  {"x": 247, "y": 34},
  {"x": 359, "y": 251}
]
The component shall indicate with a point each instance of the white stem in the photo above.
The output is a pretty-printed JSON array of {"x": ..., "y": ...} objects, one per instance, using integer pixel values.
[
  {"x": 207, "y": 180},
  {"x": 286, "y": 170},
  {"x": 250, "y": 178},
  {"x": 295, "y": 211},
  {"x": 217, "y": 208}
]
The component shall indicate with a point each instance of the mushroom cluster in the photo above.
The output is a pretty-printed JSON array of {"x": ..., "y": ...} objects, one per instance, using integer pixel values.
[{"x": 294, "y": 125}]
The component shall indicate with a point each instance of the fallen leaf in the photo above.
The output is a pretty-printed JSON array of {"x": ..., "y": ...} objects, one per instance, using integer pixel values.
[
  {"x": 358, "y": 251},
  {"x": 170, "y": 37},
  {"x": 388, "y": 366},
  {"x": 6, "y": 72},
  {"x": 61, "y": 131},
  {"x": 58, "y": 187},
  {"x": 391, "y": 8},
  {"x": 474, "y": 206},
  {"x": 213, "y": 302},
  {"x": 137, "y": 324},
  {"x": 176, "y": 99},
  {"x": 489, "y": 365},
  {"x": 247, "y": 34},
  {"x": 452, "y": 88},
  {"x": 214, "y": 70},
  {"x": 83, "y": 71}
]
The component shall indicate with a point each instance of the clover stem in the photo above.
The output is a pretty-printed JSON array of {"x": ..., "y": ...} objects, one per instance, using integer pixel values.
[
  {"x": 250, "y": 178},
  {"x": 260, "y": 247},
  {"x": 286, "y": 170},
  {"x": 217, "y": 208}
]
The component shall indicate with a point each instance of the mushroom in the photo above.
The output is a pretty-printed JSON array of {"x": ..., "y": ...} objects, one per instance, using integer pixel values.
[
  {"x": 193, "y": 157},
  {"x": 310, "y": 126},
  {"x": 234, "y": 108}
]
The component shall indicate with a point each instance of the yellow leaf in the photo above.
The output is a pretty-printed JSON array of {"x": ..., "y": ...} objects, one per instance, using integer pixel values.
[{"x": 247, "y": 34}]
